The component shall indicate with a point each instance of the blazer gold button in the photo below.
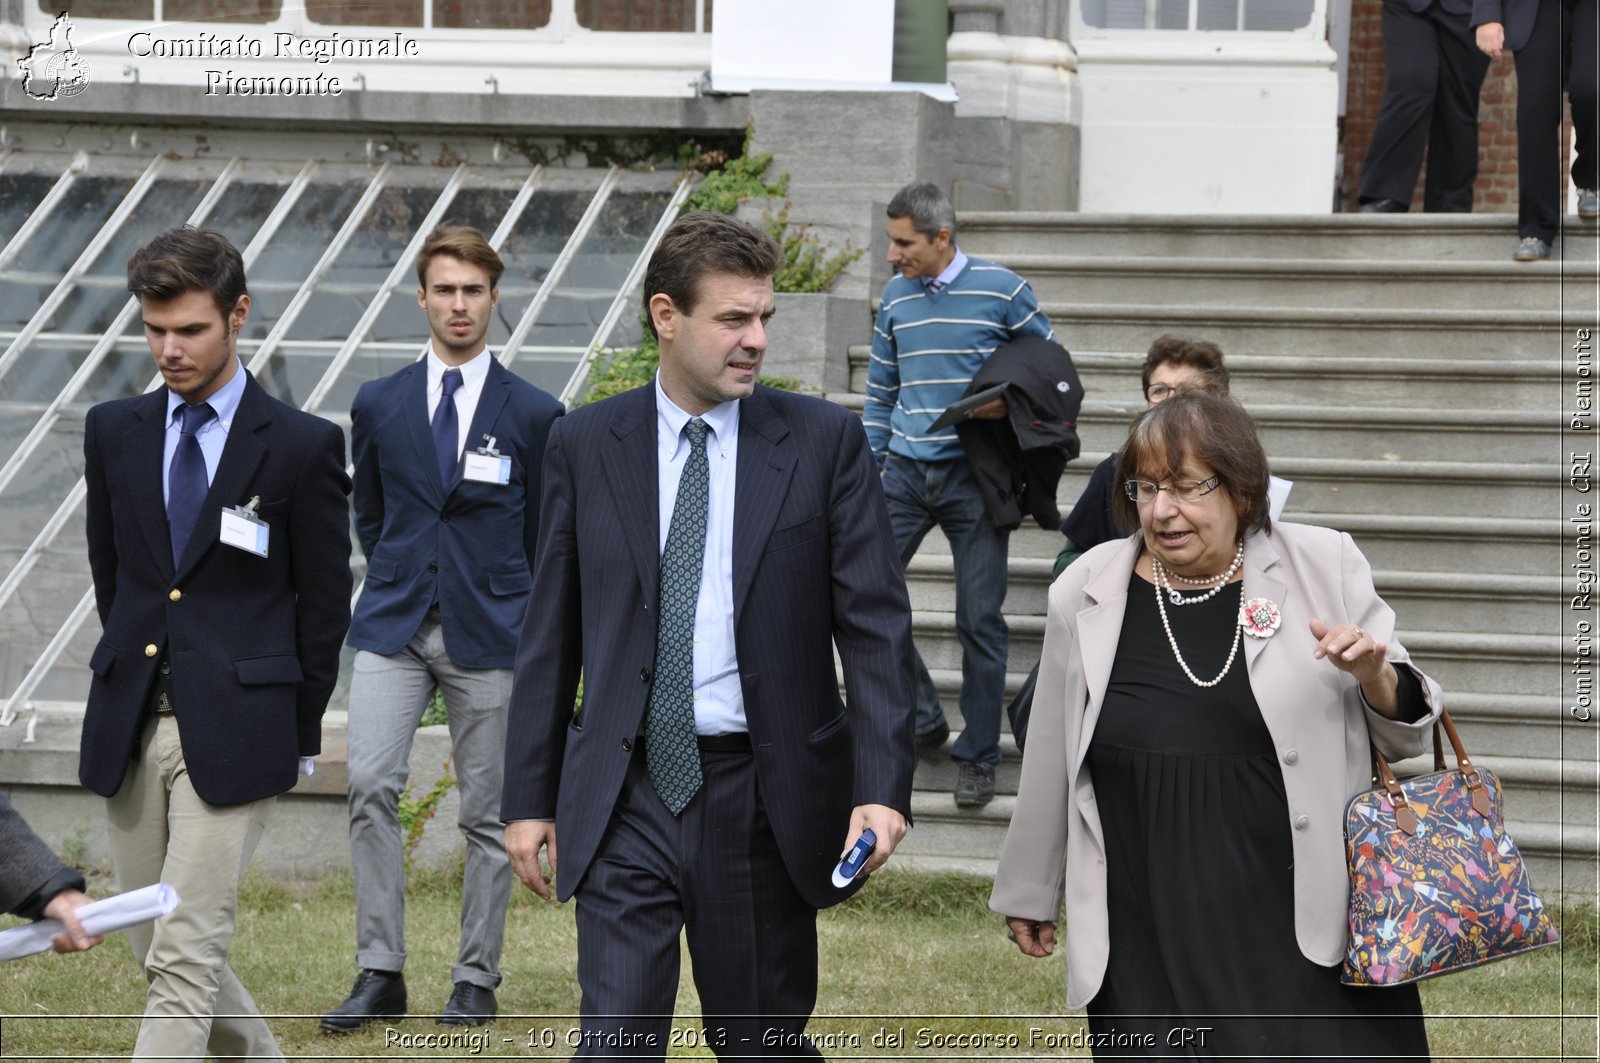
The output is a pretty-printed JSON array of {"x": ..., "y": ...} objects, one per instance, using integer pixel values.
[
  {"x": 151, "y": 650},
  {"x": 1291, "y": 756},
  {"x": 1302, "y": 822},
  {"x": 176, "y": 595}
]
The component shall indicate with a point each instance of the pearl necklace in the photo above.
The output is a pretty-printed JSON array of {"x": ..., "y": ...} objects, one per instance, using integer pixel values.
[
  {"x": 1238, "y": 559},
  {"x": 1163, "y": 580},
  {"x": 1166, "y": 625}
]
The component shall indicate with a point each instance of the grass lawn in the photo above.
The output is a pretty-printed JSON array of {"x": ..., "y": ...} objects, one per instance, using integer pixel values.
[{"x": 911, "y": 953}]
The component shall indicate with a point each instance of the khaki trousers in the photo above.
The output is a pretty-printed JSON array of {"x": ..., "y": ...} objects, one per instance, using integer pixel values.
[{"x": 161, "y": 831}]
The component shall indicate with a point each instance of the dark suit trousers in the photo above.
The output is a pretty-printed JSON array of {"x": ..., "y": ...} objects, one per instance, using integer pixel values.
[
  {"x": 715, "y": 871},
  {"x": 1433, "y": 71},
  {"x": 1560, "y": 51}
]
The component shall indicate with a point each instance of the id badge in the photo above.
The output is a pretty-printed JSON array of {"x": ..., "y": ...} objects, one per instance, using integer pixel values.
[
  {"x": 487, "y": 465},
  {"x": 242, "y": 529},
  {"x": 487, "y": 469}
]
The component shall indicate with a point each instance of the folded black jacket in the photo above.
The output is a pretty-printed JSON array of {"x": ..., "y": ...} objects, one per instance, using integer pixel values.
[{"x": 1017, "y": 460}]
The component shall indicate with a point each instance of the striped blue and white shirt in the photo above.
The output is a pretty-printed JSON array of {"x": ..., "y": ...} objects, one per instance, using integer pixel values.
[{"x": 926, "y": 347}]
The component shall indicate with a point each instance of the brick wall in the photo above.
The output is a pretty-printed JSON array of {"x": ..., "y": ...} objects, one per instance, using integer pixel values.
[{"x": 1496, "y": 190}]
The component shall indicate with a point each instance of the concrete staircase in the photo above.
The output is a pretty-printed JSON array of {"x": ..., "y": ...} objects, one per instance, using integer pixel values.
[{"x": 1407, "y": 376}]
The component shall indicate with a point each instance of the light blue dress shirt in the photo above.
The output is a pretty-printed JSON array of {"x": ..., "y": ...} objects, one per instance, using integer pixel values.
[
  {"x": 949, "y": 273},
  {"x": 718, "y": 697},
  {"x": 213, "y": 435}
]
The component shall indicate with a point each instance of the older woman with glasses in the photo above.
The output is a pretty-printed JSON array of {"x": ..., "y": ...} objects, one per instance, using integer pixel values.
[{"x": 1205, "y": 696}]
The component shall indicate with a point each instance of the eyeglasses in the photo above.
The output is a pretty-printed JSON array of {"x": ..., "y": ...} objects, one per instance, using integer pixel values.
[
  {"x": 1159, "y": 392},
  {"x": 1144, "y": 492}
]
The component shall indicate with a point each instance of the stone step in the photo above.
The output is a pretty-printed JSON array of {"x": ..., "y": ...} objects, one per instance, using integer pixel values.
[
  {"x": 970, "y": 840},
  {"x": 1366, "y": 434},
  {"x": 1522, "y": 546},
  {"x": 1418, "y": 488},
  {"x": 1436, "y": 237},
  {"x": 1536, "y": 789},
  {"x": 1267, "y": 331},
  {"x": 1328, "y": 381},
  {"x": 1358, "y": 432},
  {"x": 1494, "y": 663},
  {"x": 936, "y": 772},
  {"x": 1371, "y": 284},
  {"x": 1427, "y": 600},
  {"x": 940, "y": 829},
  {"x": 1510, "y": 725},
  {"x": 1501, "y": 545}
]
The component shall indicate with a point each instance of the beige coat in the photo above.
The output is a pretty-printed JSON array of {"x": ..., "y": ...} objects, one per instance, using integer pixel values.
[{"x": 1055, "y": 850}]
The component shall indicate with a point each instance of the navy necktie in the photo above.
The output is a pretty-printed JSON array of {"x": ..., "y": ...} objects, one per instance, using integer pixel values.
[
  {"x": 446, "y": 435},
  {"x": 672, "y": 754},
  {"x": 186, "y": 477}
]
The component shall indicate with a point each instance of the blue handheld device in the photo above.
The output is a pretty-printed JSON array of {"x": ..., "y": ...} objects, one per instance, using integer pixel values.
[{"x": 855, "y": 859}]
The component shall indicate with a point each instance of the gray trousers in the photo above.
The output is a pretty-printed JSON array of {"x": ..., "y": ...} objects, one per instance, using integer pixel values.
[{"x": 388, "y": 695}]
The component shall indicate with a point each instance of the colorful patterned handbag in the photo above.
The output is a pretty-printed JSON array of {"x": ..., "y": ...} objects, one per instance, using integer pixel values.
[{"x": 1436, "y": 883}]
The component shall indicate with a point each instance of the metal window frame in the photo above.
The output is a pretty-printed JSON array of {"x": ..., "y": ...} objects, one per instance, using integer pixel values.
[
  {"x": 364, "y": 324},
  {"x": 635, "y": 277},
  {"x": 558, "y": 268},
  {"x": 275, "y": 339},
  {"x": 45, "y": 207},
  {"x": 69, "y": 390},
  {"x": 90, "y": 254},
  {"x": 74, "y": 498},
  {"x": 69, "y": 505},
  {"x": 330, "y": 254}
]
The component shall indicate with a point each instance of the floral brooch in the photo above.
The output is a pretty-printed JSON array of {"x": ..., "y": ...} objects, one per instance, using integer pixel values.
[{"x": 1260, "y": 617}]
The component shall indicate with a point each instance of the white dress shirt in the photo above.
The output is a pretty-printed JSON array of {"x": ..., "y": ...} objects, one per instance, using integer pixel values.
[
  {"x": 718, "y": 697},
  {"x": 474, "y": 372}
]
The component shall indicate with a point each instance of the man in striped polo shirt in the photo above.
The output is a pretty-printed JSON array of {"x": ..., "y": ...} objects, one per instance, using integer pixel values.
[{"x": 941, "y": 318}]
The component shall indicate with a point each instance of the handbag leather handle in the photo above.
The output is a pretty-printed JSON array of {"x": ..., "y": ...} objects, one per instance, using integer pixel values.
[{"x": 1383, "y": 775}]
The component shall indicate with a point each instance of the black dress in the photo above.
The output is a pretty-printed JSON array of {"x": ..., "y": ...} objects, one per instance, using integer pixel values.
[{"x": 1199, "y": 863}]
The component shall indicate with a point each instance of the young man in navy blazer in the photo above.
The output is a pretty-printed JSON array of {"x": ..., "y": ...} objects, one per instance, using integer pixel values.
[
  {"x": 221, "y": 629},
  {"x": 706, "y": 544},
  {"x": 447, "y": 457}
]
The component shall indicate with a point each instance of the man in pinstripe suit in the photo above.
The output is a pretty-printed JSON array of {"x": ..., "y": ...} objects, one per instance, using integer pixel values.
[{"x": 729, "y": 830}]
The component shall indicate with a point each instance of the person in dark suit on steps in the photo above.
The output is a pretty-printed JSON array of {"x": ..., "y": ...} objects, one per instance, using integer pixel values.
[
  {"x": 1433, "y": 71},
  {"x": 705, "y": 543},
  {"x": 219, "y": 543},
  {"x": 1555, "y": 43}
]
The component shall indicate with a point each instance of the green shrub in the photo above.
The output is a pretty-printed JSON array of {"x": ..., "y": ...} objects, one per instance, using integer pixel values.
[{"x": 809, "y": 265}]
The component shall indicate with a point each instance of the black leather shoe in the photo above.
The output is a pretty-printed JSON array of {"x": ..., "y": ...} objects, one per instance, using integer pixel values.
[
  {"x": 1385, "y": 206},
  {"x": 974, "y": 785},
  {"x": 930, "y": 742},
  {"x": 469, "y": 1005},
  {"x": 376, "y": 995}
]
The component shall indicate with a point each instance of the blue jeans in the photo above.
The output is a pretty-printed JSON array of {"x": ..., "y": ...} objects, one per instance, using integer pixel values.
[{"x": 921, "y": 495}]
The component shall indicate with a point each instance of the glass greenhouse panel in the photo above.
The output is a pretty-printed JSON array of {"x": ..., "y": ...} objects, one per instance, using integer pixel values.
[{"x": 586, "y": 290}]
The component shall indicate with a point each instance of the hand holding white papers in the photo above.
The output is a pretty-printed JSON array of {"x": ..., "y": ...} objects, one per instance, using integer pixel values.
[{"x": 101, "y": 917}]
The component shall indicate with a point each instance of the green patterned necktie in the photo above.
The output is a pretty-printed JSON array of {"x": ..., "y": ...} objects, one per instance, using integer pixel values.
[{"x": 671, "y": 751}]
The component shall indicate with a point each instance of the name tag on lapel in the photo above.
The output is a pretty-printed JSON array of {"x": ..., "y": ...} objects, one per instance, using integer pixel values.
[{"x": 243, "y": 530}]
